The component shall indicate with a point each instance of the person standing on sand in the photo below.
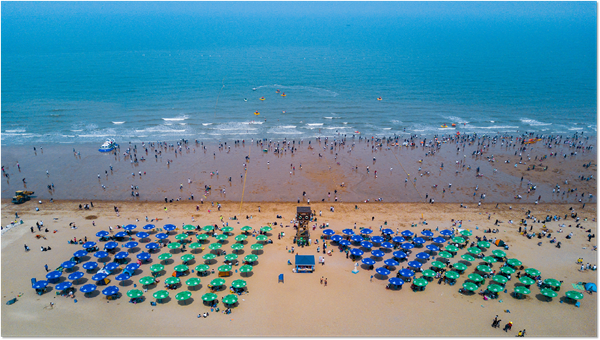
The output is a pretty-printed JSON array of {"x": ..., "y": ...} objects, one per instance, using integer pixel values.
[
  {"x": 325, "y": 282},
  {"x": 46, "y": 266},
  {"x": 321, "y": 280}
]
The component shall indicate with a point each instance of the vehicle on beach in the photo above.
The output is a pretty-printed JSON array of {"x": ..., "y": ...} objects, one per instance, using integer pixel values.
[
  {"x": 22, "y": 196},
  {"x": 108, "y": 146}
]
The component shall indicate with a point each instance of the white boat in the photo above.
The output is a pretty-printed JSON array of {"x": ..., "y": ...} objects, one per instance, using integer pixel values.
[{"x": 108, "y": 146}]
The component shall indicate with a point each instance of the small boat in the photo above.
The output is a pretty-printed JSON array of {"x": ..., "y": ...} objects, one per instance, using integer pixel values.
[
  {"x": 262, "y": 98},
  {"x": 379, "y": 98},
  {"x": 277, "y": 91},
  {"x": 283, "y": 94},
  {"x": 444, "y": 125},
  {"x": 453, "y": 125},
  {"x": 245, "y": 99},
  {"x": 108, "y": 146},
  {"x": 358, "y": 132},
  {"x": 254, "y": 89}
]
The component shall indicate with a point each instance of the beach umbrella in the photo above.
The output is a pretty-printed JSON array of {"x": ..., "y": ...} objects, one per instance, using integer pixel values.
[
  {"x": 227, "y": 229},
  {"x": 474, "y": 250},
  {"x": 266, "y": 229},
  {"x": 514, "y": 262},
  {"x": 467, "y": 257},
  {"x": 189, "y": 227},
  {"x": 152, "y": 246},
  {"x": 209, "y": 297},
  {"x": 451, "y": 248},
  {"x": 224, "y": 268},
  {"x": 110, "y": 290},
  {"x": 428, "y": 273},
  {"x": 526, "y": 280},
  {"x": 68, "y": 264},
  {"x": 238, "y": 283},
  {"x": 415, "y": 264},
  {"x": 445, "y": 254},
  {"x": 407, "y": 246},
  {"x": 458, "y": 239},
  {"x": 432, "y": 247},
  {"x": 246, "y": 268},
  {"x": 438, "y": 240},
  {"x": 356, "y": 238},
  {"x": 256, "y": 246},
  {"x": 328, "y": 232},
  {"x": 90, "y": 265},
  {"x": 182, "y": 236},
  {"x": 182, "y": 296},
  {"x": 484, "y": 269},
  {"x": 192, "y": 282},
  {"x": 201, "y": 237},
  {"x": 391, "y": 262},
  {"x": 377, "y": 253},
  {"x": 336, "y": 238},
  {"x": 532, "y": 272},
  {"x": 195, "y": 245},
  {"x": 499, "y": 253},
  {"x": 507, "y": 270},
  {"x": 398, "y": 239},
  {"x": 237, "y": 246},
  {"x": 422, "y": 256},
  {"x": 121, "y": 234},
  {"x": 261, "y": 238},
  {"x": 459, "y": 266},
  {"x": 399, "y": 254},
  {"x": 241, "y": 237},
  {"x": 489, "y": 259},
  {"x": 387, "y": 245},
  {"x": 495, "y": 288},
  {"x": 187, "y": 257},
  {"x": 149, "y": 227},
  {"x": 217, "y": 282},
  {"x": 475, "y": 277},
  {"x": 143, "y": 256},
  {"x": 169, "y": 227},
  {"x": 438, "y": 264},
  {"x": 366, "y": 231},
  {"x": 102, "y": 233},
  {"x": 574, "y": 295},
  {"x": 132, "y": 267},
  {"x": 406, "y": 273},
  {"x": 100, "y": 254},
  {"x": 161, "y": 236},
  {"x": 172, "y": 280},
  {"x": 368, "y": 261},
  {"x": 419, "y": 240},
  {"x": 396, "y": 281},
  {"x": 130, "y": 227},
  {"x": 202, "y": 268},
  {"x": 466, "y": 233},
  {"x": 161, "y": 294},
  {"x": 181, "y": 268},
  {"x": 446, "y": 232},
  {"x": 111, "y": 245},
  {"x": 111, "y": 266},
  {"x": 483, "y": 244},
  {"x": 156, "y": 267},
  {"x": 552, "y": 282},
  {"x": 121, "y": 255},
  {"x": 230, "y": 299},
  {"x": 470, "y": 286},
  {"x": 246, "y": 228},
  {"x": 174, "y": 245},
  {"x": 366, "y": 244},
  {"x": 348, "y": 232},
  {"x": 208, "y": 228},
  {"x": 382, "y": 271},
  {"x": 142, "y": 234},
  {"x": 407, "y": 233},
  {"x": 64, "y": 285},
  {"x": 89, "y": 244},
  {"x": 452, "y": 275},
  {"x": 88, "y": 288},
  {"x": 146, "y": 280},
  {"x": 134, "y": 293},
  {"x": 122, "y": 277},
  {"x": 500, "y": 279},
  {"x": 208, "y": 256},
  {"x": 250, "y": 258},
  {"x": 130, "y": 244},
  {"x": 420, "y": 282},
  {"x": 377, "y": 239},
  {"x": 548, "y": 292},
  {"x": 427, "y": 233},
  {"x": 75, "y": 276},
  {"x": 164, "y": 256},
  {"x": 387, "y": 231},
  {"x": 80, "y": 253},
  {"x": 345, "y": 243},
  {"x": 356, "y": 252}
]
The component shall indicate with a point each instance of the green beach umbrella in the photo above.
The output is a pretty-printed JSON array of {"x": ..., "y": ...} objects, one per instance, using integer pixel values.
[
  {"x": 217, "y": 282},
  {"x": 146, "y": 280},
  {"x": 201, "y": 237},
  {"x": 172, "y": 280},
  {"x": 514, "y": 262},
  {"x": 428, "y": 273},
  {"x": 230, "y": 299},
  {"x": 262, "y": 238},
  {"x": 181, "y": 268},
  {"x": 246, "y": 228},
  {"x": 239, "y": 283},
  {"x": 500, "y": 279},
  {"x": 495, "y": 288},
  {"x": 237, "y": 246},
  {"x": 470, "y": 286},
  {"x": 227, "y": 229},
  {"x": 174, "y": 245},
  {"x": 189, "y": 227},
  {"x": 420, "y": 282},
  {"x": 209, "y": 256},
  {"x": 452, "y": 275},
  {"x": 467, "y": 257},
  {"x": 202, "y": 268},
  {"x": 266, "y": 229},
  {"x": 458, "y": 239},
  {"x": 451, "y": 248},
  {"x": 552, "y": 282},
  {"x": 548, "y": 292},
  {"x": 182, "y": 296},
  {"x": 490, "y": 259},
  {"x": 161, "y": 294},
  {"x": 522, "y": 290},
  {"x": 214, "y": 246},
  {"x": 208, "y": 228},
  {"x": 474, "y": 250},
  {"x": 250, "y": 258},
  {"x": 195, "y": 245},
  {"x": 231, "y": 257},
  {"x": 574, "y": 295},
  {"x": 209, "y": 297},
  {"x": 483, "y": 244},
  {"x": 187, "y": 257},
  {"x": 257, "y": 246},
  {"x": 459, "y": 266},
  {"x": 246, "y": 268},
  {"x": 532, "y": 272},
  {"x": 499, "y": 253},
  {"x": 475, "y": 277},
  {"x": 526, "y": 280},
  {"x": 156, "y": 267},
  {"x": 466, "y": 233},
  {"x": 164, "y": 256},
  {"x": 181, "y": 236},
  {"x": 224, "y": 268},
  {"x": 221, "y": 237},
  {"x": 507, "y": 270},
  {"x": 135, "y": 293},
  {"x": 241, "y": 237},
  {"x": 445, "y": 254},
  {"x": 438, "y": 264},
  {"x": 192, "y": 282},
  {"x": 484, "y": 268}
]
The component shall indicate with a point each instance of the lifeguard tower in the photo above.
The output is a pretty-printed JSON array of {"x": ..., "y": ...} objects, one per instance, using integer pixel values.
[{"x": 303, "y": 216}]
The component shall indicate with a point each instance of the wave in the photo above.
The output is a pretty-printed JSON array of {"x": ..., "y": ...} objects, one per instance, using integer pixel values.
[
  {"x": 206, "y": 124},
  {"x": 575, "y": 129},
  {"x": 315, "y": 124},
  {"x": 118, "y": 123},
  {"x": 98, "y": 135},
  {"x": 15, "y": 130},
  {"x": 176, "y": 118},
  {"x": 332, "y": 117},
  {"x": 494, "y": 127},
  {"x": 317, "y": 90},
  {"x": 387, "y": 128},
  {"x": 533, "y": 122},
  {"x": 182, "y": 123}
]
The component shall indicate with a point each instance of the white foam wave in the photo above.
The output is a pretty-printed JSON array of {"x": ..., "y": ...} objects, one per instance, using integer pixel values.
[
  {"x": 315, "y": 124},
  {"x": 96, "y": 135},
  {"x": 311, "y": 89},
  {"x": 176, "y": 118},
  {"x": 387, "y": 128},
  {"x": 575, "y": 129},
  {"x": 495, "y": 127},
  {"x": 206, "y": 124},
  {"x": 15, "y": 130},
  {"x": 533, "y": 122},
  {"x": 182, "y": 123},
  {"x": 118, "y": 123}
]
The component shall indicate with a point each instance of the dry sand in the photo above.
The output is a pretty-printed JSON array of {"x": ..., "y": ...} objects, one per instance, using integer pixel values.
[{"x": 350, "y": 305}]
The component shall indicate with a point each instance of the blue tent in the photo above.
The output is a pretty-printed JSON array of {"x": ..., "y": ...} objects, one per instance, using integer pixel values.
[
  {"x": 121, "y": 255},
  {"x": 422, "y": 256},
  {"x": 88, "y": 288},
  {"x": 152, "y": 246},
  {"x": 407, "y": 246},
  {"x": 396, "y": 281},
  {"x": 391, "y": 262},
  {"x": 356, "y": 238},
  {"x": 368, "y": 261},
  {"x": 432, "y": 247},
  {"x": 387, "y": 245},
  {"x": 328, "y": 232},
  {"x": 398, "y": 239},
  {"x": 75, "y": 276},
  {"x": 418, "y": 240},
  {"x": 110, "y": 290},
  {"x": 305, "y": 263},
  {"x": 90, "y": 265},
  {"x": 130, "y": 244},
  {"x": 399, "y": 254},
  {"x": 121, "y": 234},
  {"x": 149, "y": 227},
  {"x": 102, "y": 233},
  {"x": 377, "y": 253},
  {"x": 161, "y": 236},
  {"x": 427, "y": 233},
  {"x": 100, "y": 254},
  {"x": 388, "y": 231},
  {"x": 80, "y": 253},
  {"x": 142, "y": 234},
  {"x": 348, "y": 231},
  {"x": 99, "y": 276},
  {"x": 407, "y": 273},
  {"x": 591, "y": 287},
  {"x": 377, "y": 239},
  {"x": 88, "y": 245},
  {"x": 438, "y": 239},
  {"x": 414, "y": 264},
  {"x": 143, "y": 256},
  {"x": 110, "y": 245},
  {"x": 446, "y": 232},
  {"x": 130, "y": 227},
  {"x": 382, "y": 271},
  {"x": 407, "y": 233},
  {"x": 356, "y": 252},
  {"x": 169, "y": 227},
  {"x": 366, "y": 244},
  {"x": 366, "y": 231},
  {"x": 337, "y": 238}
]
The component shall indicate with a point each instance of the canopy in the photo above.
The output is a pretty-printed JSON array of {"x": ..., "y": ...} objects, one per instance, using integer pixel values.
[
  {"x": 356, "y": 238},
  {"x": 217, "y": 282},
  {"x": 438, "y": 264},
  {"x": 399, "y": 254},
  {"x": 446, "y": 232},
  {"x": 187, "y": 257},
  {"x": 377, "y": 239},
  {"x": 377, "y": 253},
  {"x": 75, "y": 276},
  {"x": 146, "y": 280},
  {"x": 407, "y": 233},
  {"x": 438, "y": 239},
  {"x": 391, "y": 262},
  {"x": 130, "y": 227},
  {"x": 428, "y": 273},
  {"x": 406, "y": 273},
  {"x": 452, "y": 275},
  {"x": 110, "y": 290},
  {"x": 366, "y": 231},
  {"x": 68, "y": 264},
  {"x": 134, "y": 293},
  {"x": 420, "y": 282},
  {"x": 174, "y": 245},
  {"x": 142, "y": 234},
  {"x": 208, "y": 256},
  {"x": 514, "y": 262},
  {"x": 156, "y": 267},
  {"x": 432, "y": 247},
  {"x": 100, "y": 254},
  {"x": 164, "y": 256},
  {"x": 181, "y": 268},
  {"x": 427, "y": 233},
  {"x": 183, "y": 236},
  {"x": 88, "y": 288},
  {"x": 356, "y": 252},
  {"x": 99, "y": 276},
  {"x": 382, "y": 271},
  {"x": 532, "y": 272},
  {"x": 238, "y": 283},
  {"x": 122, "y": 277},
  {"x": 256, "y": 246},
  {"x": 161, "y": 294},
  {"x": 63, "y": 285},
  {"x": 80, "y": 253},
  {"x": 102, "y": 233},
  {"x": 111, "y": 266},
  {"x": 121, "y": 255},
  {"x": 552, "y": 282},
  {"x": 419, "y": 240},
  {"x": 202, "y": 268},
  {"x": 495, "y": 288},
  {"x": 445, "y": 254},
  {"x": 396, "y": 281},
  {"x": 499, "y": 253},
  {"x": 467, "y": 257},
  {"x": 475, "y": 277},
  {"x": 483, "y": 244},
  {"x": 459, "y": 266},
  {"x": 172, "y": 280},
  {"x": 266, "y": 229},
  {"x": 451, "y": 248},
  {"x": 246, "y": 228},
  {"x": 132, "y": 267},
  {"x": 246, "y": 268},
  {"x": 526, "y": 280},
  {"x": 328, "y": 232},
  {"x": 152, "y": 245},
  {"x": 414, "y": 264},
  {"x": 201, "y": 237},
  {"x": 348, "y": 231},
  {"x": 366, "y": 244},
  {"x": 195, "y": 245},
  {"x": 189, "y": 227},
  {"x": 53, "y": 275},
  {"x": 458, "y": 239},
  {"x": 522, "y": 290},
  {"x": 398, "y": 239},
  {"x": 337, "y": 238},
  {"x": 484, "y": 268},
  {"x": 474, "y": 250},
  {"x": 194, "y": 281},
  {"x": 241, "y": 237},
  {"x": 345, "y": 242},
  {"x": 237, "y": 246},
  {"x": 181, "y": 296},
  {"x": 489, "y": 259},
  {"x": 574, "y": 295},
  {"x": 500, "y": 279},
  {"x": 387, "y": 231},
  {"x": 224, "y": 268},
  {"x": 169, "y": 227},
  {"x": 121, "y": 234},
  {"x": 548, "y": 292},
  {"x": 149, "y": 227},
  {"x": 231, "y": 257},
  {"x": 89, "y": 244},
  {"x": 230, "y": 299},
  {"x": 161, "y": 236},
  {"x": 368, "y": 261},
  {"x": 250, "y": 258},
  {"x": 227, "y": 229},
  {"x": 221, "y": 237},
  {"x": 470, "y": 286},
  {"x": 209, "y": 297},
  {"x": 407, "y": 246},
  {"x": 507, "y": 270},
  {"x": 261, "y": 238},
  {"x": 466, "y": 233}
]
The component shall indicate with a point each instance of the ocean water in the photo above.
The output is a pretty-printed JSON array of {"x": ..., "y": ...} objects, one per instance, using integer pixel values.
[{"x": 78, "y": 78}]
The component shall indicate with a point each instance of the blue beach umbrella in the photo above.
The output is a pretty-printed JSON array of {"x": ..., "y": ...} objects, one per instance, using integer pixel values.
[
  {"x": 111, "y": 266},
  {"x": 102, "y": 233},
  {"x": 366, "y": 231},
  {"x": 337, "y": 238},
  {"x": 52, "y": 276},
  {"x": 68, "y": 264},
  {"x": 356, "y": 238},
  {"x": 366, "y": 244},
  {"x": 152, "y": 246},
  {"x": 142, "y": 234},
  {"x": 356, "y": 252},
  {"x": 130, "y": 227},
  {"x": 110, "y": 245},
  {"x": 407, "y": 246},
  {"x": 88, "y": 288},
  {"x": 388, "y": 231},
  {"x": 121, "y": 255},
  {"x": 348, "y": 231},
  {"x": 75, "y": 276},
  {"x": 432, "y": 247},
  {"x": 368, "y": 261},
  {"x": 149, "y": 227},
  {"x": 40, "y": 284},
  {"x": 63, "y": 285},
  {"x": 328, "y": 232},
  {"x": 377, "y": 253},
  {"x": 161, "y": 236},
  {"x": 99, "y": 276},
  {"x": 132, "y": 267},
  {"x": 414, "y": 264},
  {"x": 80, "y": 253},
  {"x": 406, "y": 273},
  {"x": 438, "y": 240},
  {"x": 391, "y": 262},
  {"x": 89, "y": 244},
  {"x": 407, "y": 233},
  {"x": 377, "y": 239},
  {"x": 418, "y": 240},
  {"x": 382, "y": 271},
  {"x": 396, "y": 281},
  {"x": 121, "y": 234},
  {"x": 169, "y": 227},
  {"x": 387, "y": 245},
  {"x": 143, "y": 256},
  {"x": 399, "y": 254},
  {"x": 90, "y": 265},
  {"x": 446, "y": 232},
  {"x": 130, "y": 244},
  {"x": 345, "y": 242},
  {"x": 122, "y": 277},
  {"x": 398, "y": 239},
  {"x": 427, "y": 233},
  {"x": 422, "y": 256},
  {"x": 110, "y": 290}
]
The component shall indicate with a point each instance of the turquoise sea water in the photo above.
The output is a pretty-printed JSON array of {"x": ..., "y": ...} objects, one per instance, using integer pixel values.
[{"x": 185, "y": 70}]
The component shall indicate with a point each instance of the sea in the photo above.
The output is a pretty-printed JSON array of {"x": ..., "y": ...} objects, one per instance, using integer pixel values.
[{"x": 79, "y": 73}]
